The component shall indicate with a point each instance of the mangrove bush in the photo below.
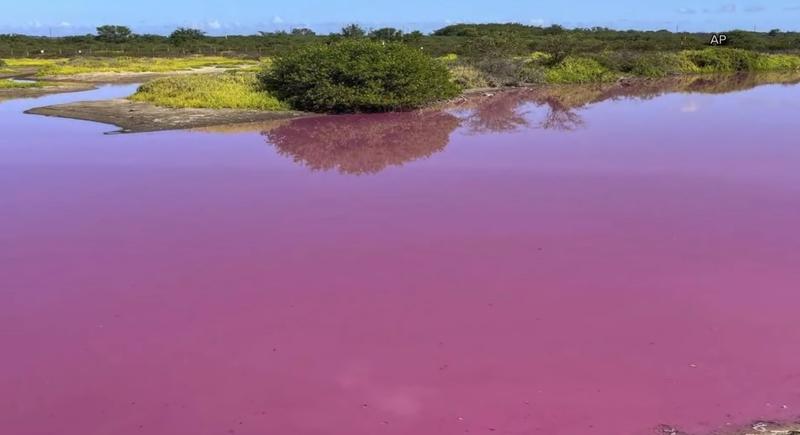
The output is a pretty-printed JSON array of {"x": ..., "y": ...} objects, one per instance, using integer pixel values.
[{"x": 358, "y": 75}]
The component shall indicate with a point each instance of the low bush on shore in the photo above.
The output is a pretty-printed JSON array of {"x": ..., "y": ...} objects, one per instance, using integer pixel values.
[
  {"x": 540, "y": 68},
  {"x": 513, "y": 71},
  {"x": 83, "y": 65},
  {"x": 715, "y": 60},
  {"x": 234, "y": 90},
  {"x": 358, "y": 76},
  {"x": 579, "y": 70},
  {"x": 468, "y": 77}
]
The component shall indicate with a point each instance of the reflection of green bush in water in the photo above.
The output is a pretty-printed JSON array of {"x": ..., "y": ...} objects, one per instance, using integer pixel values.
[
  {"x": 580, "y": 96},
  {"x": 497, "y": 114},
  {"x": 363, "y": 144},
  {"x": 505, "y": 112}
]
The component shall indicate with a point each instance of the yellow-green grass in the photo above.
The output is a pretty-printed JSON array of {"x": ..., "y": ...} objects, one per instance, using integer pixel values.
[
  {"x": 579, "y": 70},
  {"x": 31, "y": 63},
  {"x": 448, "y": 58},
  {"x": 12, "y": 84},
  {"x": 239, "y": 90},
  {"x": 262, "y": 64},
  {"x": 137, "y": 65},
  {"x": 604, "y": 66}
]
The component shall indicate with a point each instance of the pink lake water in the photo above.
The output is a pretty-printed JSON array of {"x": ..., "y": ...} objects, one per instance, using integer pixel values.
[{"x": 510, "y": 269}]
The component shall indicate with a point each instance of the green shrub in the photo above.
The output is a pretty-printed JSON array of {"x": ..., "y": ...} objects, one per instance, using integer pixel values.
[
  {"x": 778, "y": 62},
  {"x": 2, "y": 63},
  {"x": 510, "y": 71},
  {"x": 621, "y": 61},
  {"x": 662, "y": 65},
  {"x": 499, "y": 71},
  {"x": 579, "y": 70},
  {"x": 211, "y": 91},
  {"x": 358, "y": 76},
  {"x": 713, "y": 60},
  {"x": 655, "y": 64},
  {"x": 531, "y": 72},
  {"x": 468, "y": 77}
]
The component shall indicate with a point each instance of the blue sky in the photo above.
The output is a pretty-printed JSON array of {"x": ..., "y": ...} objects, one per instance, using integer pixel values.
[{"x": 248, "y": 16}]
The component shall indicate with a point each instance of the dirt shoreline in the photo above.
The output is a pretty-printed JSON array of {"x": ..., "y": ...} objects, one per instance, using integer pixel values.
[
  {"x": 60, "y": 88},
  {"x": 137, "y": 117},
  {"x": 756, "y": 428}
]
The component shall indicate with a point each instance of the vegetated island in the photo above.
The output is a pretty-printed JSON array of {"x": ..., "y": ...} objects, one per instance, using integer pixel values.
[{"x": 383, "y": 70}]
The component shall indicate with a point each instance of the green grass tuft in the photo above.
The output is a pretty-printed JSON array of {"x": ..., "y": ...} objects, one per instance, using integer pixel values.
[
  {"x": 579, "y": 70},
  {"x": 12, "y": 84},
  {"x": 230, "y": 90}
]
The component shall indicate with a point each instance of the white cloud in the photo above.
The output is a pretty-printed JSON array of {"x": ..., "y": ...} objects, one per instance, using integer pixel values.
[
  {"x": 728, "y": 8},
  {"x": 65, "y": 24},
  {"x": 277, "y": 20},
  {"x": 214, "y": 24},
  {"x": 690, "y": 106},
  {"x": 537, "y": 21}
]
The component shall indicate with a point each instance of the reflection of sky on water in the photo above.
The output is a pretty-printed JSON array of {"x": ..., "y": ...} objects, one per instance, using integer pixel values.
[{"x": 489, "y": 275}]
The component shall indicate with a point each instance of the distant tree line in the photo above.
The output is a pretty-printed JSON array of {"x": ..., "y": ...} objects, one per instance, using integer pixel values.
[{"x": 460, "y": 39}]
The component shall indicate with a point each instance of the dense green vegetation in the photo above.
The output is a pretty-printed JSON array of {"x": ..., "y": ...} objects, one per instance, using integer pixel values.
[
  {"x": 358, "y": 75},
  {"x": 234, "y": 90},
  {"x": 543, "y": 68},
  {"x": 386, "y": 69},
  {"x": 115, "y": 34},
  {"x": 462, "y": 39}
]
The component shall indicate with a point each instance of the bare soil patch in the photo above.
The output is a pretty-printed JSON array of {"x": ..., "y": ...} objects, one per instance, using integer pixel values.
[
  {"x": 133, "y": 117},
  {"x": 8, "y": 94}
]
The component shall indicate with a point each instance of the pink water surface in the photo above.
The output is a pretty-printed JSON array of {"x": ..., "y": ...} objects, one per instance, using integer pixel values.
[{"x": 635, "y": 265}]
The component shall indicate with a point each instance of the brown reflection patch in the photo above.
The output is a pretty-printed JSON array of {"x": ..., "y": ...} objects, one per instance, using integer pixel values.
[{"x": 363, "y": 144}]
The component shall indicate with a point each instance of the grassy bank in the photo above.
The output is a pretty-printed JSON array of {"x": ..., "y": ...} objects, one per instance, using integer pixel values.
[
  {"x": 234, "y": 90},
  {"x": 32, "y": 63},
  {"x": 12, "y": 84},
  {"x": 544, "y": 68},
  {"x": 84, "y": 65},
  {"x": 242, "y": 89}
]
